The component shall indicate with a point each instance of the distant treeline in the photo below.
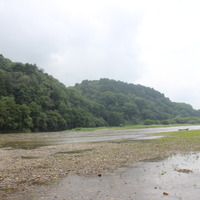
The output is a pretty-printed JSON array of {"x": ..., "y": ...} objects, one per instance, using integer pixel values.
[{"x": 31, "y": 100}]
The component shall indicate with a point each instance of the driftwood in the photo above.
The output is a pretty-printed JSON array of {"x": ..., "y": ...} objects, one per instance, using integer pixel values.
[{"x": 183, "y": 129}]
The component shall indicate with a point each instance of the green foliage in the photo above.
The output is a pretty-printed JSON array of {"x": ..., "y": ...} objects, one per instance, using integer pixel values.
[
  {"x": 14, "y": 117},
  {"x": 31, "y": 100},
  {"x": 134, "y": 104},
  {"x": 149, "y": 122}
]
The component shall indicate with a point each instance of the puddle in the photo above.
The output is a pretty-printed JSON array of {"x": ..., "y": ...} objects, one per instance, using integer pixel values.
[
  {"x": 156, "y": 159},
  {"x": 75, "y": 152},
  {"x": 29, "y": 157},
  {"x": 23, "y": 144},
  {"x": 155, "y": 180}
]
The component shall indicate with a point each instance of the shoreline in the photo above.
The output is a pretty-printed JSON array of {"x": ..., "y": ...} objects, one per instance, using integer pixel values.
[{"x": 22, "y": 169}]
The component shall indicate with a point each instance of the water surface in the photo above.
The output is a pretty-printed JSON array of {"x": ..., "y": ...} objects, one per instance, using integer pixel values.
[
  {"x": 142, "y": 181},
  {"x": 34, "y": 140}
]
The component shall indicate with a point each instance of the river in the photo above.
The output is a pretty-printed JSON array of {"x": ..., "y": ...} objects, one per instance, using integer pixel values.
[
  {"x": 147, "y": 179},
  {"x": 33, "y": 140}
]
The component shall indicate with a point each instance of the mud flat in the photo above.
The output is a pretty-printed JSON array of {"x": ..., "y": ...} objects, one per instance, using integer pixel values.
[
  {"x": 176, "y": 177},
  {"x": 27, "y": 173}
]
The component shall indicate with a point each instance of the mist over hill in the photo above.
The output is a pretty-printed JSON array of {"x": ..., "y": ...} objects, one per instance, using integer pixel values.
[{"x": 32, "y": 100}]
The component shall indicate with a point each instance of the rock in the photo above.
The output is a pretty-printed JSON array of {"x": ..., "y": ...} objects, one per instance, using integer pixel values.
[{"x": 165, "y": 193}]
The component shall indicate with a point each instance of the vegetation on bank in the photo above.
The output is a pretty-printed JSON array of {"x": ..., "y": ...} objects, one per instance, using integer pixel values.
[
  {"x": 32, "y": 101},
  {"x": 184, "y": 134},
  {"x": 129, "y": 127},
  {"x": 181, "y": 141},
  {"x": 44, "y": 165}
]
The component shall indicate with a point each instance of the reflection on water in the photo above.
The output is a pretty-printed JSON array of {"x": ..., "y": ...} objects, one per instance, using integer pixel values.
[
  {"x": 187, "y": 161},
  {"x": 144, "y": 180},
  {"x": 34, "y": 140}
]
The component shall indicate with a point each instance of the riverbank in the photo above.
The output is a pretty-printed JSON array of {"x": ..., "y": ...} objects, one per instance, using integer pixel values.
[{"x": 22, "y": 169}]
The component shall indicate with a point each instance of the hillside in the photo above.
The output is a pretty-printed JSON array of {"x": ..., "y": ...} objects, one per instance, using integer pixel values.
[
  {"x": 128, "y": 103},
  {"x": 31, "y": 100}
]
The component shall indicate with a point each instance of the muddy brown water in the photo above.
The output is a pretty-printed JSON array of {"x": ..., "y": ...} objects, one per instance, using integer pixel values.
[{"x": 174, "y": 178}]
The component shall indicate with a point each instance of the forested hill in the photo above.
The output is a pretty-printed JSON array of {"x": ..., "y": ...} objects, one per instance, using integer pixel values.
[
  {"x": 128, "y": 103},
  {"x": 31, "y": 100}
]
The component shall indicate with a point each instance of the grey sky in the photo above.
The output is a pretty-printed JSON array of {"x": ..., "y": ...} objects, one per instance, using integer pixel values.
[{"x": 154, "y": 43}]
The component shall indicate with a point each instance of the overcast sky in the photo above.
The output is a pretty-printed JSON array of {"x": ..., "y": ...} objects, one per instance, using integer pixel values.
[{"x": 154, "y": 43}]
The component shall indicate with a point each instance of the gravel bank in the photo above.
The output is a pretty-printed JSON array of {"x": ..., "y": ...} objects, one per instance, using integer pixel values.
[{"x": 22, "y": 169}]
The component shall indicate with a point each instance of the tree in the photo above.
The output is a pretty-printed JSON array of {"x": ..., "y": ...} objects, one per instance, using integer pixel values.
[
  {"x": 9, "y": 114},
  {"x": 31, "y": 100}
]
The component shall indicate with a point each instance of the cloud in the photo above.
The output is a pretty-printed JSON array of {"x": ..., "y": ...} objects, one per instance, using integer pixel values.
[
  {"x": 154, "y": 43},
  {"x": 72, "y": 41},
  {"x": 103, "y": 48},
  {"x": 169, "y": 39}
]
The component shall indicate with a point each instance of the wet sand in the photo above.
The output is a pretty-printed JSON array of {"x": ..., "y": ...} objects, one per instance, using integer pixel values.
[
  {"x": 174, "y": 178},
  {"x": 99, "y": 170}
]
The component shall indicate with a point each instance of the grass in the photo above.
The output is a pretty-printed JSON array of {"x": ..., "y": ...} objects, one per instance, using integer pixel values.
[
  {"x": 74, "y": 152},
  {"x": 183, "y": 141},
  {"x": 22, "y": 144},
  {"x": 93, "y": 158},
  {"x": 127, "y": 127},
  {"x": 182, "y": 134}
]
